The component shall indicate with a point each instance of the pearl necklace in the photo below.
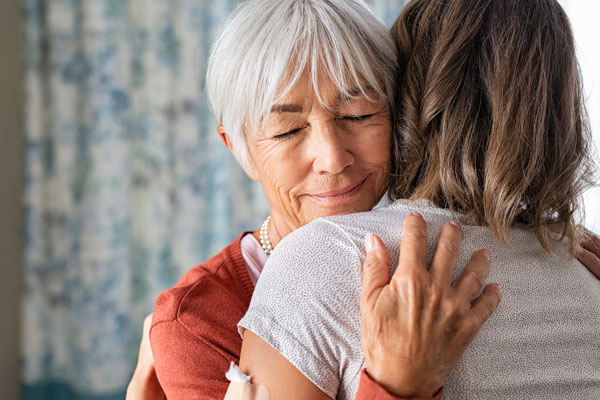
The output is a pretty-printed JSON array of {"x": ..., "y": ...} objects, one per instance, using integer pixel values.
[{"x": 264, "y": 236}]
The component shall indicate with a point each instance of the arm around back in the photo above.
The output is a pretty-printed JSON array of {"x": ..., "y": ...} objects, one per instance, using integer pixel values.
[
  {"x": 194, "y": 334},
  {"x": 186, "y": 367}
]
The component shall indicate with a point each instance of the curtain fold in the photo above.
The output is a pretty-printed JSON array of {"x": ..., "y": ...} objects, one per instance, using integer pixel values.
[{"x": 127, "y": 184}]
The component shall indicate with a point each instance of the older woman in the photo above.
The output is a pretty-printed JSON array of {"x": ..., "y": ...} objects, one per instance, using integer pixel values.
[
  {"x": 494, "y": 134},
  {"x": 302, "y": 92}
]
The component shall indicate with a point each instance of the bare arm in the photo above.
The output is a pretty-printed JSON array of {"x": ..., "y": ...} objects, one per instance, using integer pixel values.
[
  {"x": 269, "y": 368},
  {"x": 144, "y": 383}
]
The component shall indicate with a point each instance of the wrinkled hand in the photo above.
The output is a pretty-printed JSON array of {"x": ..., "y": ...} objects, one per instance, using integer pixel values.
[
  {"x": 144, "y": 384},
  {"x": 416, "y": 326},
  {"x": 589, "y": 252}
]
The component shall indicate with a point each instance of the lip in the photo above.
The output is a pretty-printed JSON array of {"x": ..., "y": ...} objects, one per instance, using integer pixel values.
[{"x": 340, "y": 194}]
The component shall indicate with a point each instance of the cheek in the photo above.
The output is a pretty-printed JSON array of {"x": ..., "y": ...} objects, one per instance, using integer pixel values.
[
  {"x": 376, "y": 148},
  {"x": 281, "y": 168},
  {"x": 283, "y": 178}
]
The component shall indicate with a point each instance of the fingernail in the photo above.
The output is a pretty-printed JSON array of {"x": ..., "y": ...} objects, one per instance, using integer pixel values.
[
  {"x": 416, "y": 214},
  {"x": 499, "y": 288},
  {"x": 488, "y": 255},
  {"x": 456, "y": 224},
  {"x": 369, "y": 242}
]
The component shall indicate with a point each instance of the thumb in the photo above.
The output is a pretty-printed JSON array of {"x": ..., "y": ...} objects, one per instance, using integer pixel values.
[{"x": 375, "y": 270}]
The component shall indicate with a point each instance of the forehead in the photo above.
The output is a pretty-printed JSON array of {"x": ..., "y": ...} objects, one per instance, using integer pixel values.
[{"x": 327, "y": 91}]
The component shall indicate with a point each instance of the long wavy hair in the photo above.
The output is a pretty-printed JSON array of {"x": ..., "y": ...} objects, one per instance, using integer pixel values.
[{"x": 491, "y": 119}]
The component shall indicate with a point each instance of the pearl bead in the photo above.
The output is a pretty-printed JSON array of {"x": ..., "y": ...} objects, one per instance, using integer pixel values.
[{"x": 264, "y": 236}]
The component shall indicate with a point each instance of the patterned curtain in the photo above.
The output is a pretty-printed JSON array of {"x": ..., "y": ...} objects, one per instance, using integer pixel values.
[{"x": 127, "y": 184}]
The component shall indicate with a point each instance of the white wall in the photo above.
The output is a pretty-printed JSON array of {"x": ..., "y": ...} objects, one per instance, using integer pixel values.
[
  {"x": 585, "y": 19},
  {"x": 10, "y": 196}
]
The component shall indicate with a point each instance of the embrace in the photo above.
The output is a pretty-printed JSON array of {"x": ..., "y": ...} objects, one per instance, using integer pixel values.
[{"x": 468, "y": 118}]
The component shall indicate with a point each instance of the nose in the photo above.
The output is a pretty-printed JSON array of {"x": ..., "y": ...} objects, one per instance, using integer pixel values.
[{"x": 332, "y": 148}]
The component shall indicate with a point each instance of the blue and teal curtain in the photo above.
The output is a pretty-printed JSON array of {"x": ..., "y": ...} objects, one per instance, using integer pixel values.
[{"x": 127, "y": 184}]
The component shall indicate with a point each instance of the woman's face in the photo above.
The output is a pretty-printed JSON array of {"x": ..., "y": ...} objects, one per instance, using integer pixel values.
[{"x": 315, "y": 162}]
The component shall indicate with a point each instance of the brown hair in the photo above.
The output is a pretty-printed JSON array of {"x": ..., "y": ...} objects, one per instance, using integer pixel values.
[{"x": 491, "y": 120}]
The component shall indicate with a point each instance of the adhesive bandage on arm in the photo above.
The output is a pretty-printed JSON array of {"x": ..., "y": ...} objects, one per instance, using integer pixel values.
[{"x": 240, "y": 387}]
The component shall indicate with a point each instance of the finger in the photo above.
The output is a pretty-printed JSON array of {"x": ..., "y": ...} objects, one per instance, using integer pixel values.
[
  {"x": 485, "y": 305},
  {"x": 473, "y": 277},
  {"x": 446, "y": 252},
  {"x": 590, "y": 260},
  {"x": 591, "y": 243},
  {"x": 413, "y": 249},
  {"x": 376, "y": 270}
]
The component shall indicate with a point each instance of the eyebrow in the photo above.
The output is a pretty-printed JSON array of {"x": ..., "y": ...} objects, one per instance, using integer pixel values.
[
  {"x": 342, "y": 98},
  {"x": 283, "y": 108}
]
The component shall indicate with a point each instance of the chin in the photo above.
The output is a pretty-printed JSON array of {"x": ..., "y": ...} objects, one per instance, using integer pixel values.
[{"x": 342, "y": 209}]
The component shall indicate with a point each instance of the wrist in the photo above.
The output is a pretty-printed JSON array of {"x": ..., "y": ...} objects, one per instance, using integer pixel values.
[{"x": 404, "y": 387}]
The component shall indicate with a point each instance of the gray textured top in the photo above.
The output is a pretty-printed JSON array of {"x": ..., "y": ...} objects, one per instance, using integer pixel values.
[{"x": 543, "y": 342}]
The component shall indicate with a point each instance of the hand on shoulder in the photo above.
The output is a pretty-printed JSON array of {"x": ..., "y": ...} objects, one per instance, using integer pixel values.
[{"x": 416, "y": 326}]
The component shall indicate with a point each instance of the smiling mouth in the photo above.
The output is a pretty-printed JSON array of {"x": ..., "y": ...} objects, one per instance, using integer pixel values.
[{"x": 339, "y": 195}]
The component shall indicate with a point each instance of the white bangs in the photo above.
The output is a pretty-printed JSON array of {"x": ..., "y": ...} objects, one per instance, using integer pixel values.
[{"x": 268, "y": 44}]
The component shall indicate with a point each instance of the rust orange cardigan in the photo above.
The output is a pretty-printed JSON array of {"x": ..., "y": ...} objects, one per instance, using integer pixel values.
[{"x": 194, "y": 332}]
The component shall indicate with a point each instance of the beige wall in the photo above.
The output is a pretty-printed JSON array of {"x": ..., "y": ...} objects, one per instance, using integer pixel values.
[{"x": 10, "y": 196}]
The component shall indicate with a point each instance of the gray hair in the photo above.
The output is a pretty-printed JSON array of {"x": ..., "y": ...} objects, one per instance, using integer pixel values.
[{"x": 269, "y": 43}]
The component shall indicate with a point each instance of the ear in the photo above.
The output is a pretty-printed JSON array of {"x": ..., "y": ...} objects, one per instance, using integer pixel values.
[
  {"x": 225, "y": 137},
  {"x": 250, "y": 169}
]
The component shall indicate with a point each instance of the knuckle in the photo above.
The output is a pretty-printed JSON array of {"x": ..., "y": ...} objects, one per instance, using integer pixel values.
[
  {"x": 489, "y": 303},
  {"x": 400, "y": 285},
  {"x": 414, "y": 227},
  {"x": 584, "y": 256},
  {"x": 410, "y": 276},
  {"x": 470, "y": 326},
  {"x": 591, "y": 242},
  {"x": 410, "y": 282},
  {"x": 449, "y": 247},
  {"x": 458, "y": 306},
  {"x": 592, "y": 238},
  {"x": 372, "y": 260},
  {"x": 595, "y": 249},
  {"x": 479, "y": 258},
  {"x": 475, "y": 278},
  {"x": 495, "y": 300},
  {"x": 368, "y": 263},
  {"x": 414, "y": 278},
  {"x": 436, "y": 299},
  {"x": 418, "y": 236},
  {"x": 454, "y": 311}
]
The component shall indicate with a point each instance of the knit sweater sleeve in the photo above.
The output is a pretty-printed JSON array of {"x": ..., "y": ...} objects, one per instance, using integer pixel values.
[
  {"x": 187, "y": 367},
  {"x": 368, "y": 389},
  {"x": 193, "y": 334}
]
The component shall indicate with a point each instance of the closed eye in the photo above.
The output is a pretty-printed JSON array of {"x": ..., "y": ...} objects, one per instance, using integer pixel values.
[
  {"x": 356, "y": 118},
  {"x": 287, "y": 134},
  {"x": 351, "y": 118}
]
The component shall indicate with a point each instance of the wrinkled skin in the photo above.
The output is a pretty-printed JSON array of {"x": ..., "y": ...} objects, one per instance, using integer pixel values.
[{"x": 418, "y": 324}]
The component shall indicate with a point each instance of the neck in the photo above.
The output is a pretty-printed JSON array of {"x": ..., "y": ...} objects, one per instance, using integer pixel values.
[{"x": 279, "y": 228}]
